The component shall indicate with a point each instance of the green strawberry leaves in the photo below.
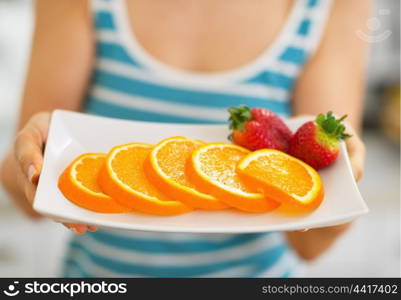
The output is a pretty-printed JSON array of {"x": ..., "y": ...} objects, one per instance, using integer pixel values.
[
  {"x": 239, "y": 116},
  {"x": 332, "y": 126}
]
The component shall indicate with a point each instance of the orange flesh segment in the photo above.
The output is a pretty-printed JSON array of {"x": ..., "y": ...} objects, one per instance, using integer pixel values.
[
  {"x": 86, "y": 172},
  {"x": 284, "y": 173},
  {"x": 128, "y": 167},
  {"x": 214, "y": 169},
  {"x": 219, "y": 165},
  {"x": 284, "y": 178},
  {"x": 172, "y": 160},
  {"x": 78, "y": 183},
  {"x": 168, "y": 168}
]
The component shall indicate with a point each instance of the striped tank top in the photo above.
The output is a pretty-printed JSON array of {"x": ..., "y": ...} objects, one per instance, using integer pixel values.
[{"x": 129, "y": 83}]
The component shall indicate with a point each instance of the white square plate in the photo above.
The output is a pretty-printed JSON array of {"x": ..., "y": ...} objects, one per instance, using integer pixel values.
[{"x": 72, "y": 134}]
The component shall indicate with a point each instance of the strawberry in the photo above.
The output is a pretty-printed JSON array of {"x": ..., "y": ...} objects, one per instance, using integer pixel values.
[
  {"x": 258, "y": 128},
  {"x": 317, "y": 142}
]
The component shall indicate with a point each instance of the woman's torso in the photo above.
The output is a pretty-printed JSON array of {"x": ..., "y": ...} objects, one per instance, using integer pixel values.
[{"x": 130, "y": 83}]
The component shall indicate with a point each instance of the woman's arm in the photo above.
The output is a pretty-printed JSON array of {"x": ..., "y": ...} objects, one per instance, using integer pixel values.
[
  {"x": 57, "y": 76},
  {"x": 334, "y": 80},
  {"x": 61, "y": 58}
]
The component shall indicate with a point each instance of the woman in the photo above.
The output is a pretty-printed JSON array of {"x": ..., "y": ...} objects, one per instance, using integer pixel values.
[{"x": 187, "y": 61}]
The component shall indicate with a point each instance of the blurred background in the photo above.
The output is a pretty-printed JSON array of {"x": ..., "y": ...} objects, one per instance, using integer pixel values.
[{"x": 370, "y": 249}]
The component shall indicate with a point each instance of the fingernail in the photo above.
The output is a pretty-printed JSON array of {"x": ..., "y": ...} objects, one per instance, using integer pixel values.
[
  {"x": 31, "y": 173},
  {"x": 92, "y": 228}
]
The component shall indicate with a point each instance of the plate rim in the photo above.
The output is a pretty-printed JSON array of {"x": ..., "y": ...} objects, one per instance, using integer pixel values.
[{"x": 57, "y": 116}]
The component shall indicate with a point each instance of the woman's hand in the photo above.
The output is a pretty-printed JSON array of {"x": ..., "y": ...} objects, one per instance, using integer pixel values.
[
  {"x": 309, "y": 244},
  {"x": 356, "y": 152},
  {"x": 22, "y": 168}
]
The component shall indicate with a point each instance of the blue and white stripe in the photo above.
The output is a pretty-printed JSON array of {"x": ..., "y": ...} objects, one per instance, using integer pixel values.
[
  {"x": 108, "y": 253},
  {"x": 128, "y": 83}
]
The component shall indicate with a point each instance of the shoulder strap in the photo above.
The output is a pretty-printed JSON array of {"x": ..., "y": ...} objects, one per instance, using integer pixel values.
[
  {"x": 312, "y": 26},
  {"x": 103, "y": 14}
]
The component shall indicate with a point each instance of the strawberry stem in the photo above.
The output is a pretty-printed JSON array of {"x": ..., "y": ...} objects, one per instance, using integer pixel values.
[
  {"x": 239, "y": 115},
  {"x": 332, "y": 126}
]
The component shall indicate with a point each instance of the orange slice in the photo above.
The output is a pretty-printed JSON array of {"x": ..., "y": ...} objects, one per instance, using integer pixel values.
[
  {"x": 284, "y": 178},
  {"x": 166, "y": 168},
  {"x": 213, "y": 170},
  {"x": 78, "y": 183},
  {"x": 123, "y": 178}
]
